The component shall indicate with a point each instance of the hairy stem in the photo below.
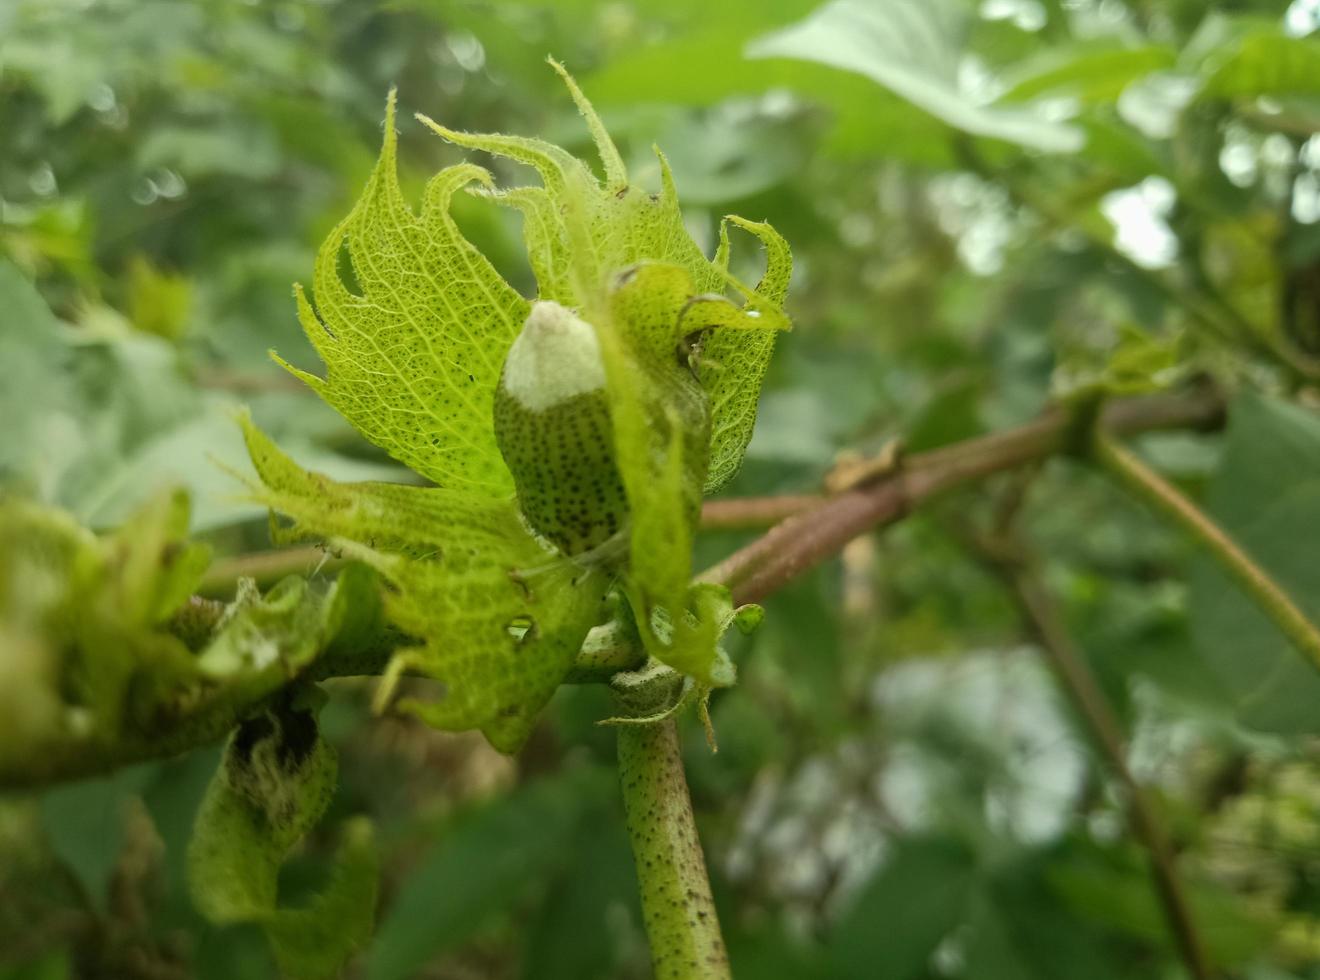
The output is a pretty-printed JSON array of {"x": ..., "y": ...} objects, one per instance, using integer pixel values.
[
  {"x": 1138, "y": 478},
  {"x": 677, "y": 908}
]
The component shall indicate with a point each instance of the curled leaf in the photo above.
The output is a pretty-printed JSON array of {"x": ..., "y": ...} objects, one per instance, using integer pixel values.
[{"x": 273, "y": 786}]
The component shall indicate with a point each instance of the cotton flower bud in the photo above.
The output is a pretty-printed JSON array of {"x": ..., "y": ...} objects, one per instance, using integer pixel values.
[{"x": 552, "y": 425}]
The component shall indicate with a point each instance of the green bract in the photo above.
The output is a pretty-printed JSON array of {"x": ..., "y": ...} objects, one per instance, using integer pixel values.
[
  {"x": 609, "y": 454},
  {"x": 273, "y": 786},
  {"x": 107, "y": 657}
]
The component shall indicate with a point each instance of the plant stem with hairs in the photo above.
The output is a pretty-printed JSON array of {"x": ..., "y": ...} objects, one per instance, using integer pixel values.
[{"x": 677, "y": 909}]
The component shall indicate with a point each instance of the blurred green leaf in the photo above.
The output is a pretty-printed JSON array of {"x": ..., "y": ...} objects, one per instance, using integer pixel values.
[
  {"x": 84, "y": 823},
  {"x": 1122, "y": 895},
  {"x": 96, "y": 672},
  {"x": 81, "y": 623},
  {"x": 214, "y": 149},
  {"x": 1017, "y": 929},
  {"x": 917, "y": 898},
  {"x": 480, "y": 866},
  {"x": 35, "y": 359},
  {"x": 1267, "y": 496},
  {"x": 717, "y": 159},
  {"x": 105, "y": 416},
  {"x": 864, "y": 121},
  {"x": 913, "y": 48},
  {"x": 158, "y": 302},
  {"x": 272, "y": 787},
  {"x": 1263, "y": 63},
  {"x": 577, "y": 934},
  {"x": 1090, "y": 72}
]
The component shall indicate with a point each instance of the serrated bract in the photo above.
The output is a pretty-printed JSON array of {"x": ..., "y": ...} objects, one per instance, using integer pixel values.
[{"x": 415, "y": 346}]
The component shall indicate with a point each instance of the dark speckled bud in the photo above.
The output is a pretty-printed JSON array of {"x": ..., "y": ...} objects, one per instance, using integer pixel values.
[{"x": 552, "y": 424}]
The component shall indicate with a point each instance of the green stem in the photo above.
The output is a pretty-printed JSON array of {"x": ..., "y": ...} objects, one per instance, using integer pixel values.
[
  {"x": 1143, "y": 482},
  {"x": 677, "y": 908}
]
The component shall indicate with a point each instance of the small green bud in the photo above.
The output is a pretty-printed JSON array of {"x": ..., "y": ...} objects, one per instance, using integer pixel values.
[{"x": 552, "y": 424}]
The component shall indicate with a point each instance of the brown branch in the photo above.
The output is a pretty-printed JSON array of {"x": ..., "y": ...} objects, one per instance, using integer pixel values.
[
  {"x": 754, "y": 513},
  {"x": 1039, "y": 609},
  {"x": 809, "y": 537}
]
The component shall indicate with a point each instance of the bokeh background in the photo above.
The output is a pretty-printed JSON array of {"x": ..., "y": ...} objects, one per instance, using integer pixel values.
[{"x": 989, "y": 204}]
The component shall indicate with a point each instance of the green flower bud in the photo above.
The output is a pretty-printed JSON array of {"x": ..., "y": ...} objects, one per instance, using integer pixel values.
[{"x": 552, "y": 425}]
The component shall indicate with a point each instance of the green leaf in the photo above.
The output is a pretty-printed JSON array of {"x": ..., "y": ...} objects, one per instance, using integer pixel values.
[
  {"x": 33, "y": 354},
  {"x": 246, "y": 151},
  {"x": 1266, "y": 494},
  {"x": 866, "y": 122},
  {"x": 104, "y": 415},
  {"x": 1017, "y": 929},
  {"x": 498, "y": 613},
  {"x": 733, "y": 362},
  {"x": 720, "y": 156},
  {"x": 98, "y": 632},
  {"x": 158, "y": 301},
  {"x": 1089, "y": 71},
  {"x": 413, "y": 349},
  {"x": 157, "y": 568},
  {"x": 84, "y": 618},
  {"x": 661, "y": 426},
  {"x": 1138, "y": 363},
  {"x": 1122, "y": 896},
  {"x": 483, "y": 863},
  {"x": 661, "y": 431},
  {"x": 913, "y": 48},
  {"x": 917, "y": 898},
  {"x": 84, "y": 823},
  {"x": 272, "y": 787},
  {"x": 1264, "y": 62},
  {"x": 312, "y": 941},
  {"x": 575, "y": 934},
  {"x": 286, "y": 627}
]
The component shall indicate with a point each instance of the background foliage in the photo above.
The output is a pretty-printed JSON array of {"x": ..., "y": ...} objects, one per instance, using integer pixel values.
[{"x": 989, "y": 205}]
